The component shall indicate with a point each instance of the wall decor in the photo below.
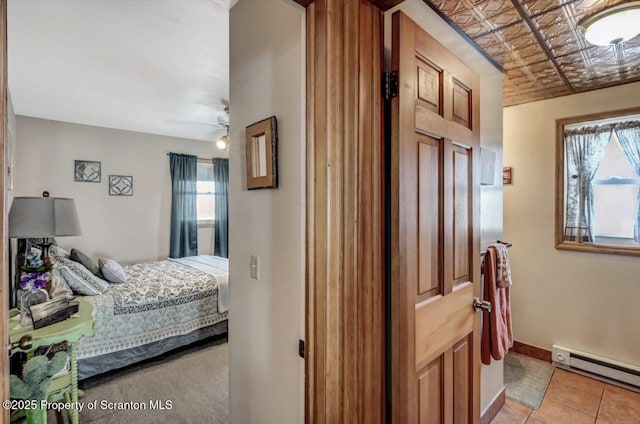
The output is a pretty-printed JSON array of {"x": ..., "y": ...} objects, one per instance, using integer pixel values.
[
  {"x": 87, "y": 171},
  {"x": 262, "y": 159},
  {"x": 506, "y": 175},
  {"x": 487, "y": 166},
  {"x": 120, "y": 185}
]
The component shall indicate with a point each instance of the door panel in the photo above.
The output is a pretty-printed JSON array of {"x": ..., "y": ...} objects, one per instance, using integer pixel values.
[
  {"x": 462, "y": 362},
  {"x": 461, "y": 202},
  {"x": 461, "y": 104},
  {"x": 430, "y": 86},
  {"x": 435, "y": 249},
  {"x": 429, "y": 159},
  {"x": 431, "y": 401}
]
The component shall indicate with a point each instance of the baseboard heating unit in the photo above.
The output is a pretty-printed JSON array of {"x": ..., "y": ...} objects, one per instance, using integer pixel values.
[{"x": 596, "y": 367}]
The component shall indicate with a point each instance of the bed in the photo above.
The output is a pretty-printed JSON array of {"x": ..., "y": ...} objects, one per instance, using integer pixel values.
[{"x": 162, "y": 306}]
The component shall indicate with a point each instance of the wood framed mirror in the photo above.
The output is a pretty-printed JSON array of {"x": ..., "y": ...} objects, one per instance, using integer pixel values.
[{"x": 262, "y": 160}]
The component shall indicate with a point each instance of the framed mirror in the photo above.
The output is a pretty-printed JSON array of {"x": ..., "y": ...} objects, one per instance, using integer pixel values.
[{"x": 262, "y": 163}]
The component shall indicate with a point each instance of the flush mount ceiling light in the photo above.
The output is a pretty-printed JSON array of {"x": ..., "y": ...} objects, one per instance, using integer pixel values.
[{"x": 613, "y": 25}]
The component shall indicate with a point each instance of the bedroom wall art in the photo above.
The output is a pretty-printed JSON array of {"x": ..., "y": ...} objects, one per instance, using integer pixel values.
[
  {"x": 87, "y": 171},
  {"x": 120, "y": 185},
  {"x": 262, "y": 158},
  {"x": 506, "y": 175}
]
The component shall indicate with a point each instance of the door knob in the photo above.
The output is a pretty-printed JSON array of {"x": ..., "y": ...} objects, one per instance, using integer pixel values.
[{"x": 479, "y": 304}]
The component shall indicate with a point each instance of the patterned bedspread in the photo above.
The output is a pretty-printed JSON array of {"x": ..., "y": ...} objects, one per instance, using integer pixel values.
[{"x": 159, "y": 300}]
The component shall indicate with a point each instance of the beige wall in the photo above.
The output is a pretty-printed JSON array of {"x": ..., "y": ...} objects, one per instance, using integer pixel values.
[
  {"x": 581, "y": 300},
  {"x": 490, "y": 138},
  {"x": 127, "y": 229},
  {"x": 267, "y": 316}
]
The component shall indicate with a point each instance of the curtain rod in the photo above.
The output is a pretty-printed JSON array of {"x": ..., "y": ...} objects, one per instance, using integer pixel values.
[{"x": 184, "y": 154}]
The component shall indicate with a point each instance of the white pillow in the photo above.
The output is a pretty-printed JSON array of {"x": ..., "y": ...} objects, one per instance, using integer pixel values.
[{"x": 112, "y": 270}]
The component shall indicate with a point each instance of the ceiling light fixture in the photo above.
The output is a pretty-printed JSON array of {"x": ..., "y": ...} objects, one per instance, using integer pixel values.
[
  {"x": 223, "y": 142},
  {"x": 613, "y": 25}
]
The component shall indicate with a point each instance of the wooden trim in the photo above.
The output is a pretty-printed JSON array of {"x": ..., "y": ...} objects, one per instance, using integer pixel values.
[
  {"x": 531, "y": 351},
  {"x": 381, "y": 4},
  {"x": 4, "y": 262},
  {"x": 494, "y": 408},
  {"x": 560, "y": 243},
  {"x": 345, "y": 361}
]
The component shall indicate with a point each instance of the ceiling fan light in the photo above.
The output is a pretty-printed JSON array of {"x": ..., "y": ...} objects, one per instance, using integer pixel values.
[
  {"x": 613, "y": 25},
  {"x": 222, "y": 143}
]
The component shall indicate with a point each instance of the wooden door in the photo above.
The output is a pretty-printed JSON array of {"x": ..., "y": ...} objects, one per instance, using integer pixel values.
[
  {"x": 4, "y": 209},
  {"x": 435, "y": 249}
]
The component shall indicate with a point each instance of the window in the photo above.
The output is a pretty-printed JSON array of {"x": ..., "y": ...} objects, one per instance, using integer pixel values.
[
  {"x": 205, "y": 186},
  {"x": 598, "y": 183},
  {"x": 615, "y": 188}
]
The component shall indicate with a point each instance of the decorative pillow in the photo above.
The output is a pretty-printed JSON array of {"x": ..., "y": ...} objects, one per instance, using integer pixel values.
[
  {"x": 112, "y": 271},
  {"x": 59, "y": 287},
  {"x": 79, "y": 278},
  {"x": 58, "y": 252},
  {"x": 86, "y": 261}
]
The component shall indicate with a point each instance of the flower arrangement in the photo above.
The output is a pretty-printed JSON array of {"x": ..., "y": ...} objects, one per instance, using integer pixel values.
[{"x": 35, "y": 273}]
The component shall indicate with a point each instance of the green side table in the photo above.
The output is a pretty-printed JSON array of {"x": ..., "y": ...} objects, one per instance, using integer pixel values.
[{"x": 69, "y": 330}]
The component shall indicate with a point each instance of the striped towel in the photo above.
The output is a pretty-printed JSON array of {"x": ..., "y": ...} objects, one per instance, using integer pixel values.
[{"x": 503, "y": 269}]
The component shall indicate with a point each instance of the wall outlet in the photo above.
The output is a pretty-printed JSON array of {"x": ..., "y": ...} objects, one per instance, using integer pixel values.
[{"x": 254, "y": 267}]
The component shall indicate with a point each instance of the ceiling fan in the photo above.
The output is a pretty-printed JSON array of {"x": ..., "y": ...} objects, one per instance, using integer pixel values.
[{"x": 222, "y": 123}]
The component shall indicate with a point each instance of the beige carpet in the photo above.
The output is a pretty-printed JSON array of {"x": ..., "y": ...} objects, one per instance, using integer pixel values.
[{"x": 195, "y": 381}]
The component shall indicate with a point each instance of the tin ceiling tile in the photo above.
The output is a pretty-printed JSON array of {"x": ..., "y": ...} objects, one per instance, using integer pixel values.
[
  {"x": 536, "y": 7},
  {"x": 544, "y": 55}
]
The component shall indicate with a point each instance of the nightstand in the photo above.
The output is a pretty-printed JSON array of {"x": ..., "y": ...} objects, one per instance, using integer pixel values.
[{"x": 69, "y": 330}]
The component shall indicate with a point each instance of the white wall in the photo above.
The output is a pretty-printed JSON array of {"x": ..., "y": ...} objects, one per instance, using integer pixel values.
[
  {"x": 127, "y": 229},
  {"x": 587, "y": 301},
  {"x": 490, "y": 138},
  {"x": 267, "y": 316}
]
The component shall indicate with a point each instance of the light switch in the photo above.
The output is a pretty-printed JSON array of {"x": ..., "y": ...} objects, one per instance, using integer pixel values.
[{"x": 254, "y": 266}]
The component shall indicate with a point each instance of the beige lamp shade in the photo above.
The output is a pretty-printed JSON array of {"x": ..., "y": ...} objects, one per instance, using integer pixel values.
[{"x": 40, "y": 217}]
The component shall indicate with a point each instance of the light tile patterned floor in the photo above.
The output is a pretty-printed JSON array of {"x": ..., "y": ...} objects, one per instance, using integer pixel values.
[{"x": 575, "y": 399}]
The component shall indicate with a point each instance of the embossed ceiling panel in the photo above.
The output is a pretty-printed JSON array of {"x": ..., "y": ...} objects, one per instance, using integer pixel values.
[{"x": 540, "y": 47}]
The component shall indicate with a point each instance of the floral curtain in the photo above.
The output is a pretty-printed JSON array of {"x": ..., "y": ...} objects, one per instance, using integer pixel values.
[
  {"x": 585, "y": 148},
  {"x": 628, "y": 135}
]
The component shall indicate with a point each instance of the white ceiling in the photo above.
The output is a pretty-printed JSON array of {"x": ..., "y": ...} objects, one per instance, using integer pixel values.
[{"x": 154, "y": 66}]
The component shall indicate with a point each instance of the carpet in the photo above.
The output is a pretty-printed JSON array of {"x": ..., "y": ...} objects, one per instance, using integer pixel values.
[
  {"x": 526, "y": 379},
  {"x": 190, "y": 385}
]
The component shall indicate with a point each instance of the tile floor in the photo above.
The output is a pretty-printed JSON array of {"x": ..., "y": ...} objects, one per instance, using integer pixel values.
[{"x": 575, "y": 399}]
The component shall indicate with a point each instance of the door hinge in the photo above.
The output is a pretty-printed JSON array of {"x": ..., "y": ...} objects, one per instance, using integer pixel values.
[
  {"x": 389, "y": 84},
  {"x": 301, "y": 348}
]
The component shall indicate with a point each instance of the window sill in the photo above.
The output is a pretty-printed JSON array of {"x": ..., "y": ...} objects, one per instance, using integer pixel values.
[
  {"x": 206, "y": 224},
  {"x": 615, "y": 249}
]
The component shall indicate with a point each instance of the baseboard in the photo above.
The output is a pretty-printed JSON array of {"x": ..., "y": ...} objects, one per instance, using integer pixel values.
[
  {"x": 531, "y": 351},
  {"x": 493, "y": 409}
]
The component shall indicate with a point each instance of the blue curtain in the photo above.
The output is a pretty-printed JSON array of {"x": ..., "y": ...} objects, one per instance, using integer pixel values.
[
  {"x": 221, "y": 178},
  {"x": 629, "y": 138},
  {"x": 184, "y": 215}
]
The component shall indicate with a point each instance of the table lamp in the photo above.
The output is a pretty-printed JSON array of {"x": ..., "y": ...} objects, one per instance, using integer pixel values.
[
  {"x": 43, "y": 218},
  {"x": 40, "y": 218}
]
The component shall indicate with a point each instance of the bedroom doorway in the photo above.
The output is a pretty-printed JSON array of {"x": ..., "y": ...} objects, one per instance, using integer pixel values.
[
  {"x": 106, "y": 95},
  {"x": 4, "y": 298}
]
